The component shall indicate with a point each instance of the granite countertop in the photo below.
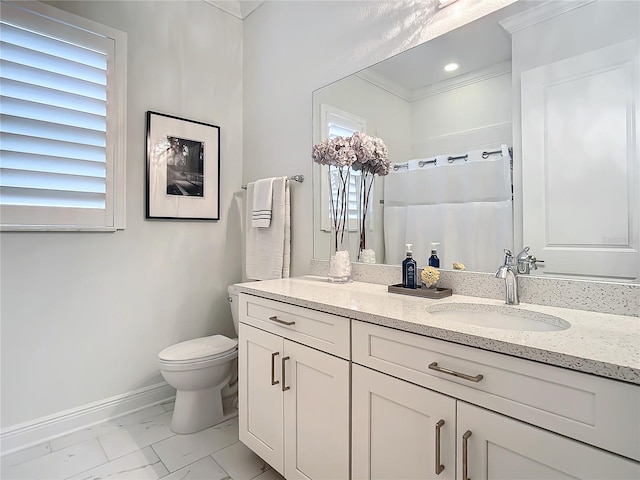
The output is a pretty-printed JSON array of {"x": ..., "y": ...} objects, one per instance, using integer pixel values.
[{"x": 598, "y": 343}]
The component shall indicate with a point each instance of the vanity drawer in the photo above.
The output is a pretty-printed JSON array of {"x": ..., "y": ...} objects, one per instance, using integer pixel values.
[
  {"x": 595, "y": 410},
  {"x": 323, "y": 331}
]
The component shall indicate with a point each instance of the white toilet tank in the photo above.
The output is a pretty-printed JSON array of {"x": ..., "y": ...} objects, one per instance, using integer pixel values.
[{"x": 233, "y": 303}]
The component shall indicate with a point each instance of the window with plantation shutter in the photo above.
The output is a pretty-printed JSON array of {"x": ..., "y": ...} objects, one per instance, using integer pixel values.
[
  {"x": 62, "y": 128},
  {"x": 335, "y": 123}
]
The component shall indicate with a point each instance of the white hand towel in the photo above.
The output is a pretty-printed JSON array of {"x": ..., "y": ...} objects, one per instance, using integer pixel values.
[
  {"x": 262, "y": 203},
  {"x": 268, "y": 250},
  {"x": 286, "y": 259}
]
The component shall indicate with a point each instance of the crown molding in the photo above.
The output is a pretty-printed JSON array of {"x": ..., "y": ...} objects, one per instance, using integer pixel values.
[
  {"x": 460, "y": 81},
  {"x": 238, "y": 8},
  {"x": 540, "y": 13},
  {"x": 384, "y": 83},
  {"x": 477, "y": 76}
]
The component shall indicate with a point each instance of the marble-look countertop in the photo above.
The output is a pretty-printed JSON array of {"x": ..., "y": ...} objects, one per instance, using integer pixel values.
[{"x": 597, "y": 343}]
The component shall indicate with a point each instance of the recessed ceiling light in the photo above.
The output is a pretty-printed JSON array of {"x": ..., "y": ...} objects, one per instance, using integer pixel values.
[{"x": 450, "y": 67}]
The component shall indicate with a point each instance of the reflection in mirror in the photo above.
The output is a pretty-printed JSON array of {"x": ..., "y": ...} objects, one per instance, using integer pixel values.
[{"x": 542, "y": 113}]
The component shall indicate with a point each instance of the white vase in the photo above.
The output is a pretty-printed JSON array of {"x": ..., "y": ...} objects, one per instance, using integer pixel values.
[{"x": 364, "y": 189}]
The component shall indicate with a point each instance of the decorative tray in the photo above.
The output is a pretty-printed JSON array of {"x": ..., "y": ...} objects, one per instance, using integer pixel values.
[{"x": 421, "y": 292}]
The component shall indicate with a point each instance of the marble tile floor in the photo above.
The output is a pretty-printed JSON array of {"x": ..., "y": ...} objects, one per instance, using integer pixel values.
[{"x": 140, "y": 446}]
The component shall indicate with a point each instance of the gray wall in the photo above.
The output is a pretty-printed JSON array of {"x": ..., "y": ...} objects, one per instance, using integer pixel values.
[{"x": 84, "y": 315}]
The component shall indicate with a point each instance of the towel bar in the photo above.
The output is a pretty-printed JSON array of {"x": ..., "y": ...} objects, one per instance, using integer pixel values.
[{"x": 295, "y": 178}]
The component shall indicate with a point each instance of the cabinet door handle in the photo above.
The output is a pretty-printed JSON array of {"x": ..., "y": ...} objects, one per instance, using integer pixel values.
[
  {"x": 439, "y": 467},
  {"x": 283, "y": 322},
  {"x": 273, "y": 368},
  {"x": 476, "y": 379},
  {"x": 465, "y": 455},
  {"x": 284, "y": 381}
]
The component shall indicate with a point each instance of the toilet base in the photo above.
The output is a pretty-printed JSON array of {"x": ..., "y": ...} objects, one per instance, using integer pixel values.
[{"x": 197, "y": 410}]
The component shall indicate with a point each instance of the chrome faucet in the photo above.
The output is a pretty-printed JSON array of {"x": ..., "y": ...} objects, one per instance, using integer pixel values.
[
  {"x": 527, "y": 262},
  {"x": 509, "y": 272}
]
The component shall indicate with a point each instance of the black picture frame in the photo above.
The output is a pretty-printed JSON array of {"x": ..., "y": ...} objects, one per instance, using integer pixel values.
[{"x": 183, "y": 168}]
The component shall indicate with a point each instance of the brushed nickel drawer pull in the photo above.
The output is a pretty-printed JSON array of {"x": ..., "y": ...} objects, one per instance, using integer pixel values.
[
  {"x": 439, "y": 467},
  {"x": 273, "y": 368},
  {"x": 284, "y": 382},
  {"x": 465, "y": 455},
  {"x": 283, "y": 322},
  {"x": 434, "y": 366}
]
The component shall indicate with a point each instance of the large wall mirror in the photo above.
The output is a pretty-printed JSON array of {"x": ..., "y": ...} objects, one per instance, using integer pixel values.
[{"x": 534, "y": 141}]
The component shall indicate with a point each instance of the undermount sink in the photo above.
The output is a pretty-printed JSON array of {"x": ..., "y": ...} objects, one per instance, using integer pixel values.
[{"x": 498, "y": 316}]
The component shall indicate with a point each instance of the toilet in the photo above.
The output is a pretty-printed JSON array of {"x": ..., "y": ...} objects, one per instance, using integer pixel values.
[{"x": 204, "y": 372}]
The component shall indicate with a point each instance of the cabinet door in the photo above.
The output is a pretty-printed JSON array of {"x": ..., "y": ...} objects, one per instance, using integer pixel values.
[
  {"x": 502, "y": 448},
  {"x": 316, "y": 414},
  {"x": 260, "y": 414},
  {"x": 395, "y": 429}
]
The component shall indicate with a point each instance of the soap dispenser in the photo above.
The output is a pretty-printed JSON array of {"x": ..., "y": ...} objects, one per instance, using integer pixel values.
[
  {"x": 434, "y": 261},
  {"x": 409, "y": 269}
]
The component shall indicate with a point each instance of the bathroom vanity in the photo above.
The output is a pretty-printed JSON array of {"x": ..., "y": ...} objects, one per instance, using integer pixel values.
[
  {"x": 294, "y": 368},
  {"x": 350, "y": 381}
]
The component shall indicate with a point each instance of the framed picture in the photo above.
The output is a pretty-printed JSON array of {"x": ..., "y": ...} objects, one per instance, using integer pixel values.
[{"x": 183, "y": 168}]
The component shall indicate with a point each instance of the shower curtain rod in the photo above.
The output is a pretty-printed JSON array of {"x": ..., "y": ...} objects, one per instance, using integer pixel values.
[
  {"x": 422, "y": 163},
  {"x": 401, "y": 165},
  {"x": 451, "y": 159},
  {"x": 459, "y": 157},
  {"x": 295, "y": 178},
  {"x": 493, "y": 152}
]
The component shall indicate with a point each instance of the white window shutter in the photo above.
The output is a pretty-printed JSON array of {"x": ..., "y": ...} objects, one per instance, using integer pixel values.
[{"x": 59, "y": 158}]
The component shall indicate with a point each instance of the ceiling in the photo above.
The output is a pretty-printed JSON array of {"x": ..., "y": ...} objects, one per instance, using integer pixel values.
[
  {"x": 237, "y": 8},
  {"x": 474, "y": 46}
]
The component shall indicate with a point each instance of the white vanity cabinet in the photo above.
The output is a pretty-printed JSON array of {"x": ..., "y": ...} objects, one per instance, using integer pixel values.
[
  {"x": 500, "y": 447},
  {"x": 325, "y": 397},
  {"x": 399, "y": 429},
  {"x": 294, "y": 388},
  {"x": 404, "y": 385}
]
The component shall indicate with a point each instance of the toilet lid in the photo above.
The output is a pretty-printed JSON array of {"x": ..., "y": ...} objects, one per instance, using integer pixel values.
[{"x": 198, "y": 348}]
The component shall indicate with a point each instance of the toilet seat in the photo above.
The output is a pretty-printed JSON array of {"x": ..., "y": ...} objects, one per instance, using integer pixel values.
[{"x": 199, "y": 350}]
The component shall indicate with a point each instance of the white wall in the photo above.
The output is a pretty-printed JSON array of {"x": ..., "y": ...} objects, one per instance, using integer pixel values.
[
  {"x": 84, "y": 315},
  {"x": 463, "y": 118},
  {"x": 294, "y": 48}
]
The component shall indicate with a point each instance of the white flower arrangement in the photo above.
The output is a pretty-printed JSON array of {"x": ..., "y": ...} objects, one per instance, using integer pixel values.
[
  {"x": 358, "y": 152},
  {"x": 335, "y": 152},
  {"x": 372, "y": 158},
  {"x": 372, "y": 155},
  {"x": 338, "y": 154}
]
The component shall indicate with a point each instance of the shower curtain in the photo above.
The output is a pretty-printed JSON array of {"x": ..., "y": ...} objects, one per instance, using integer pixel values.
[{"x": 465, "y": 206}]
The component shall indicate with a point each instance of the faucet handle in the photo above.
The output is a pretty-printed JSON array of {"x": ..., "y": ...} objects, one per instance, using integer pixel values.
[
  {"x": 524, "y": 256},
  {"x": 508, "y": 258},
  {"x": 533, "y": 262},
  {"x": 526, "y": 261}
]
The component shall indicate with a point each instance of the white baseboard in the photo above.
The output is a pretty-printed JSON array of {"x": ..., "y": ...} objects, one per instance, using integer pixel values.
[{"x": 43, "y": 429}]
